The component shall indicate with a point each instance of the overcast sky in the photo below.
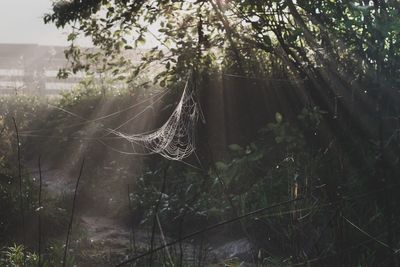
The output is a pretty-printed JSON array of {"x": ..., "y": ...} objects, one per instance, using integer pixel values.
[{"x": 21, "y": 21}]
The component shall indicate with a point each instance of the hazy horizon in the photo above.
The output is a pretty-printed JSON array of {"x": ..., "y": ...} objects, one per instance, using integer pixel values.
[{"x": 21, "y": 22}]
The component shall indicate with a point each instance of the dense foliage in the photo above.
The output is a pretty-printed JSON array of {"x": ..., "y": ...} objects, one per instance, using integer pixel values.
[
  {"x": 327, "y": 151},
  {"x": 344, "y": 57}
]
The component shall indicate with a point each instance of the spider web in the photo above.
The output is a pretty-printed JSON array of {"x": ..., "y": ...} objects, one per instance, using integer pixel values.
[{"x": 176, "y": 138}]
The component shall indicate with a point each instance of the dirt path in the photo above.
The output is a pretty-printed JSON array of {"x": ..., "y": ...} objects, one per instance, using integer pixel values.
[
  {"x": 103, "y": 239},
  {"x": 106, "y": 240},
  {"x": 100, "y": 237}
]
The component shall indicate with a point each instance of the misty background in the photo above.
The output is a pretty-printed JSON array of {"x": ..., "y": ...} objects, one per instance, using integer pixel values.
[{"x": 21, "y": 22}]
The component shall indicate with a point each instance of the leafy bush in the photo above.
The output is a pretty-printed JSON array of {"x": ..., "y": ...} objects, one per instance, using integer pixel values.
[
  {"x": 17, "y": 256},
  {"x": 191, "y": 195}
]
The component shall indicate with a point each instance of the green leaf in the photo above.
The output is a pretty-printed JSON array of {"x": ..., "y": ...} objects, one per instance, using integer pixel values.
[
  {"x": 72, "y": 36},
  {"x": 255, "y": 156},
  {"x": 140, "y": 40},
  {"x": 267, "y": 41},
  {"x": 221, "y": 165},
  {"x": 278, "y": 117},
  {"x": 235, "y": 147}
]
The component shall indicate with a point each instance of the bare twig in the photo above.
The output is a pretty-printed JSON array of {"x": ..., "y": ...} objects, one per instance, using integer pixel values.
[
  {"x": 155, "y": 214},
  {"x": 164, "y": 240},
  {"x": 133, "y": 240},
  {"x": 39, "y": 216},
  {"x": 180, "y": 239},
  {"x": 368, "y": 235},
  {"x": 72, "y": 215},
  {"x": 21, "y": 194},
  {"x": 250, "y": 214},
  {"x": 214, "y": 226},
  {"x": 227, "y": 196}
]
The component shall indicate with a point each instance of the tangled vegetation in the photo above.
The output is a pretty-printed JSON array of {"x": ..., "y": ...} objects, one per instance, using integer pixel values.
[{"x": 297, "y": 163}]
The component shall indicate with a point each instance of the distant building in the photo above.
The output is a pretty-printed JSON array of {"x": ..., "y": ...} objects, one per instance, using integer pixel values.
[{"x": 32, "y": 69}]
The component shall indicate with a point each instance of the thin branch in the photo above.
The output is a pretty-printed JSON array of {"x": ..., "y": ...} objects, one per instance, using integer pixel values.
[
  {"x": 229, "y": 32},
  {"x": 368, "y": 235},
  {"x": 164, "y": 240},
  {"x": 155, "y": 214},
  {"x": 250, "y": 214},
  {"x": 21, "y": 194},
  {"x": 133, "y": 240},
  {"x": 39, "y": 216},
  {"x": 72, "y": 216},
  {"x": 214, "y": 226}
]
